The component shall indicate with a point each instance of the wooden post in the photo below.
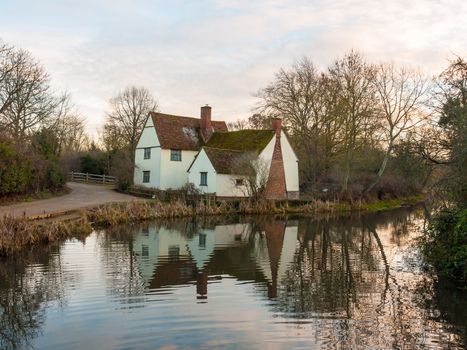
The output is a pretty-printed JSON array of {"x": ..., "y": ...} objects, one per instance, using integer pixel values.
[
  {"x": 87, "y": 177},
  {"x": 72, "y": 176},
  {"x": 103, "y": 179}
]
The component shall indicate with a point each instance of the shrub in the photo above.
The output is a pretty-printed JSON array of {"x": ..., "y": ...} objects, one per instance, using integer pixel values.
[{"x": 445, "y": 244}]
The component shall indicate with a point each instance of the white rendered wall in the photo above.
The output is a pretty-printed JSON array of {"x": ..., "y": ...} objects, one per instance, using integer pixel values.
[
  {"x": 174, "y": 174},
  {"x": 203, "y": 164},
  {"x": 265, "y": 158},
  {"x": 147, "y": 139},
  {"x": 226, "y": 186},
  {"x": 290, "y": 165}
]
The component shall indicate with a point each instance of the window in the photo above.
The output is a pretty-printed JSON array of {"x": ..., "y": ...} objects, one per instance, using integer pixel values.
[
  {"x": 202, "y": 240},
  {"x": 204, "y": 179},
  {"x": 174, "y": 252},
  {"x": 146, "y": 176},
  {"x": 238, "y": 182},
  {"x": 147, "y": 153},
  {"x": 176, "y": 155},
  {"x": 145, "y": 231},
  {"x": 144, "y": 250}
]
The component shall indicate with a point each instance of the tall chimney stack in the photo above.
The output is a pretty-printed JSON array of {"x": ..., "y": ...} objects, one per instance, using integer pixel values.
[
  {"x": 277, "y": 126},
  {"x": 206, "y": 117},
  {"x": 206, "y": 125}
]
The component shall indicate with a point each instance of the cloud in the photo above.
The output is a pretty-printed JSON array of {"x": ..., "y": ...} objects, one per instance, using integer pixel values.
[{"x": 220, "y": 52}]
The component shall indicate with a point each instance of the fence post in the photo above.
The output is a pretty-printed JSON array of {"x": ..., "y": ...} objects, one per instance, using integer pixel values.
[
  {"x": 87, "y": 177},
  {"x": 103, "y": 179},
  {"x": 72, "y": 176}
]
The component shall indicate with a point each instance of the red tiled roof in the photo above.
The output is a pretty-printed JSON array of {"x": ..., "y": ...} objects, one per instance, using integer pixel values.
[{"x": 176, "y": 132}]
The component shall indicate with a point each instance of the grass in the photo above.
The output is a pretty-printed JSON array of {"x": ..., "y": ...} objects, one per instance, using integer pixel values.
[
  {"x": 390, "y": 203},
  {"x": 19, "y": 233}
]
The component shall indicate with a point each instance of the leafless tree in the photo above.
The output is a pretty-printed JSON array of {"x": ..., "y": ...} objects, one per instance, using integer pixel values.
[
  {"x": 125, "y": 121},
  {"x": 26, "y": 100},
  {"x": 354, "y": 82},
  {"x": 305, "y": 100},
  {"x": 401, "y": 94},
  {"x": 254, "y": 173},
  {"x": 69, "y": 127},
  {"x": 239, "y": 124}
]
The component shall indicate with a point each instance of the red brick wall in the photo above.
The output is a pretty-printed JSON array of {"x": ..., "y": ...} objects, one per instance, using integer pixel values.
[{"x": 275, "y": 187}]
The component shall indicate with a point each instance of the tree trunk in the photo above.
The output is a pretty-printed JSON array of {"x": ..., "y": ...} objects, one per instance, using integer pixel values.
[{"x": 381, "y": 170}]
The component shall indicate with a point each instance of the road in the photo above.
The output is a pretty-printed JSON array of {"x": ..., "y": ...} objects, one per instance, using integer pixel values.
[{"x": 81, "y": 196}]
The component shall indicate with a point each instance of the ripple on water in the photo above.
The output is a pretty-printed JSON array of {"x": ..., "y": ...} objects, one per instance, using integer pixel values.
[{"x": 241, "y": 283}]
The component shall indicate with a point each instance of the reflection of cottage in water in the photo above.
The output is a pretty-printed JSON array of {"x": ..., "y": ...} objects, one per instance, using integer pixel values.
[{"x": 166, "y": 256}]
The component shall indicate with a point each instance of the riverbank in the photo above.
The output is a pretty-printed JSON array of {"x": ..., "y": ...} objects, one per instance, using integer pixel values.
[{"x": 18, "y": 233}]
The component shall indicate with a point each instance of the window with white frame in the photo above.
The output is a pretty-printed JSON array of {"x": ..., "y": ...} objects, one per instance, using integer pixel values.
[
  {"x": 147, "y": 153},
  {"x": 203, "y": 179},
  {"x": 146, "y": 176},
  {"x": 176, "y": 155}
]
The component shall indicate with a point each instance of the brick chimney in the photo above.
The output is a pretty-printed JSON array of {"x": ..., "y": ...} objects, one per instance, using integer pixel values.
[
  {"x": 276, "y": 187},
  {"x": 206, "y": 125},
  {"x": 277, "y": 126}
]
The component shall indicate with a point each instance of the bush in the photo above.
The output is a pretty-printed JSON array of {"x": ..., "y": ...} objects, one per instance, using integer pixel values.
[
  {"x": 445, "y": 244},
  {"x": 14, "y": 172},
  {"x": 30, "y": 167}
]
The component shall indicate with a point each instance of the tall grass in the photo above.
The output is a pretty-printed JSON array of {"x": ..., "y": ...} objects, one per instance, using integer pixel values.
[{"x": 18, "y": 233}]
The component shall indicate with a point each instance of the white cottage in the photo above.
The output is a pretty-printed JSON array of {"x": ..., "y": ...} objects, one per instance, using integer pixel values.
[
  {"x": 168, "y": 145},
  {"x": 173, "y": 151}
]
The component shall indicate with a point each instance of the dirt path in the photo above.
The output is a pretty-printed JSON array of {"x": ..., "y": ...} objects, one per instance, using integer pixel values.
[{"x": 81, "y": 196}]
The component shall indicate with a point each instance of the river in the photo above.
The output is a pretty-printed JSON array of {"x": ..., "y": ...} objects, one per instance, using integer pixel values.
[{"x": 239, "y": 282}]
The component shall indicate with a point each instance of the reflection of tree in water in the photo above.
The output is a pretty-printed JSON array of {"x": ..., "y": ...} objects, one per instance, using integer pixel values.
[
  {"x": 342, "y": 279},
  {"x": 27, "y": 283},
  {"x": 121, "y": 271},
  {"x": 332, "y": 264},
  {"x": 445, "y": 305}
]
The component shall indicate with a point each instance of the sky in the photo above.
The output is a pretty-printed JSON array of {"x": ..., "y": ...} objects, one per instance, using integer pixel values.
[{"x": 219, "y": 52}]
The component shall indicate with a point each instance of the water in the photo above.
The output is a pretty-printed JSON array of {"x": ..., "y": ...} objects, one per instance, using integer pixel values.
[{"x": 242, "y": 283}]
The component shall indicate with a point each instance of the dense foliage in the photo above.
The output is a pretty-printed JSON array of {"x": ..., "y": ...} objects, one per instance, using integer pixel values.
[
  {"x": 31, "y": 168},
  {"x": 445, "y": 244},
  {"x": 37, "y": 127}
]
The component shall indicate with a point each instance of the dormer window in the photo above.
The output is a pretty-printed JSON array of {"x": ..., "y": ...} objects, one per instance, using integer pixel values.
[{"x": 175, "y": 155}]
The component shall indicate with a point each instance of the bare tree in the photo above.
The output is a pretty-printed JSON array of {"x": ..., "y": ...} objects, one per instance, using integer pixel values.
[
  {"x": 353, "y": 79},
  {"x": 69, "y": 127},
  {"x": 304, "y": 99},
  {"x": 401, "y": 99},
  {"x": 125, "y": 121},
  {"x": 294, "y": 96},
  {"x": 27, "y": 101},
  {"x": 253, "y": 171},
  {"x": 239, "y": 124}
]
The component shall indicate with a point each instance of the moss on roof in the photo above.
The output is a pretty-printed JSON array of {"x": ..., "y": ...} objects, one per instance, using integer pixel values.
[
  {"x": 226, "y": 161},
  {"x": 242, "y": 140}
]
